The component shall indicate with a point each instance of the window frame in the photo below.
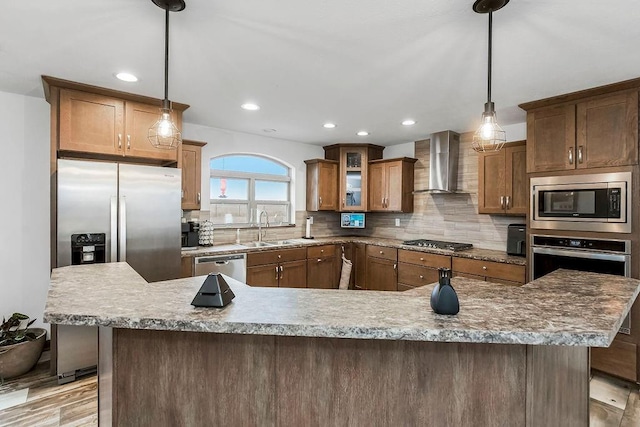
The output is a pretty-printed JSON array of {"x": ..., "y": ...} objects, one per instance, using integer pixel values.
[{"x": 251, "y": 202}]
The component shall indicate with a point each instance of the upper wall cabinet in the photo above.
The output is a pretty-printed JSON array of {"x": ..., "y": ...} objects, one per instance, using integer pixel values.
[
  {"x": 589, "y": 129},
  {"x": 322, "y": 185},
  {"x": 502, "y": 181},
  {"x": 95, "y": 121},
  {"x": 391, "y": 185},
  {"x": 191, "y": 165},
  {"x": 353, "y": 173}
]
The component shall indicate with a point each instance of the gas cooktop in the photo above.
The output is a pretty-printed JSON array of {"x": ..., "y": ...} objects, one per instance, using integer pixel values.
[{"x": 438, "y": 244}]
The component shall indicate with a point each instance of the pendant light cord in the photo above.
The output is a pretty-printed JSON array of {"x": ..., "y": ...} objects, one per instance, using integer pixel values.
[
  {"x": 166, "y": 59},
  {"x": 489, "y": 61}
]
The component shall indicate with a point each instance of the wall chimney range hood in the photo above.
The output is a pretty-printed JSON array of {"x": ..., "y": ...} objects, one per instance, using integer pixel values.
[{"x": 443, "y": 163}]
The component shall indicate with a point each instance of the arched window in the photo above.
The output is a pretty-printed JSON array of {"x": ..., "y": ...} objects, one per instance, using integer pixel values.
[{"x": 243, "y": 185}]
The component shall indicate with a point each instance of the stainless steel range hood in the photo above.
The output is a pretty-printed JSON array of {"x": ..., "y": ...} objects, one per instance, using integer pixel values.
[{"x": 443, "y": 162}]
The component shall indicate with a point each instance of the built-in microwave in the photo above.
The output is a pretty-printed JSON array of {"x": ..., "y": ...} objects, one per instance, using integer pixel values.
[{"x": 598, "y": 202}]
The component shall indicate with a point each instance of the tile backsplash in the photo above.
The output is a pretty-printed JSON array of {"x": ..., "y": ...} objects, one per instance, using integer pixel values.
[{"x": 451, "y": 217}]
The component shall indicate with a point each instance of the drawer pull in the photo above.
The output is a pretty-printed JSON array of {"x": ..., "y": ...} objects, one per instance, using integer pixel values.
[
  {"x": 319, "y": 259},
  {"x": 484, "y": 267},
  {"x": 421, "y": 259},
  {"x": 321, "y": 251},
  {"x": 421, "y": 276},
  {"x": 381, "y": 252},
  {"x": 279, "y": 256}
]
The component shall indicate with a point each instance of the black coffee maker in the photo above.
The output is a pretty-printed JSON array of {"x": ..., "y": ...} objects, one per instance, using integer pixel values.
[{"x": 190, "y": 234}]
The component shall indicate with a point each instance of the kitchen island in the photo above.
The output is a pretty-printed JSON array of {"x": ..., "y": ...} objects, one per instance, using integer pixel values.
[{"x": 512, "y": 356}]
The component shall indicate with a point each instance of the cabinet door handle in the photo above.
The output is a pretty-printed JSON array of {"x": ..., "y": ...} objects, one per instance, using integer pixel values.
[
  {"x": 395, "y": 267},
  {"x": 182, "y": 194},
  {"x": 383, "y": 202},
  {"x": 343, "y": 202},
  {"x": 279, "y": 256},
  {"x": 119, "y": 141},
  {"x": 501, "y": 202},
  {"x": 508, "y": 201},
  {"x": 276, "y": 272},
  {"x": 198, "y": 197},
  {"x": 320, "y": 201},
  {"x": 580, "y": 154},
  {"x": 571, "y": 155},
  {"x": 281, "y": 272},
  {"x": 128, "y": 142}
]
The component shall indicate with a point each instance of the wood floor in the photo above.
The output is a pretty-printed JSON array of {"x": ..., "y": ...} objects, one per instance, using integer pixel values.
[
  {"x": 47, "y": 403},
  {"x": 36, "y": 399}
]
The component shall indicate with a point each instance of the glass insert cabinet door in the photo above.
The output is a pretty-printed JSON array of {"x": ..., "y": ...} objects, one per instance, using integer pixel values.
[
  {"x": 353, "y": 173},
  {"x": 353, "y": 181}
]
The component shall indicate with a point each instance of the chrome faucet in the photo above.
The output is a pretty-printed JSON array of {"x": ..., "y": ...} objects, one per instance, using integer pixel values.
[{"x": 266, "y": 217}]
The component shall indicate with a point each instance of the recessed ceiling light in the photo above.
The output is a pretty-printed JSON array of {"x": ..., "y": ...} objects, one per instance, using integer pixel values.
[
  {"x": 126, "y": 77},
  {"x": 329, "y": 125},
  {"x": 363, "y": 133},
  {"x": 251, "y": 107},
  {"x": 268, "y": 130},
  {"x": 408, "y": 122}
]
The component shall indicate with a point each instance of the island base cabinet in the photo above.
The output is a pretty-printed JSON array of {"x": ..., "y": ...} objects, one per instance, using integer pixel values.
[{"x": 231, "y": 379}]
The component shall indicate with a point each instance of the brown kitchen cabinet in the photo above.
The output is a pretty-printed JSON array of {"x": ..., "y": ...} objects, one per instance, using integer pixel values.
[
  {"x": 391, "y": 185},
  {"x": 322, "y": 267},
  {"x": 322, "y": 185},
  {"x": 589, "y": 132},
  {"x": 490, "y": 271},
  {"x": 286, "y": 268},
  {"x": 417, "y": 269},
  {"x": 191, "y": 165},
  {"x": 353, "y": 173},
  {"x": 502, "y": 180},
  {"x": 382, "y": 268},
  {"x": 360, "y": 266},
  {"x": 106, "y": 123}
]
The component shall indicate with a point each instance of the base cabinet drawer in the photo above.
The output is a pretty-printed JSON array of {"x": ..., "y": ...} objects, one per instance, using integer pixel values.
[
  {"x": 489, "y": 269},
  {"x": 424, "y": 259},
  {"x": 415, "y": 275}
]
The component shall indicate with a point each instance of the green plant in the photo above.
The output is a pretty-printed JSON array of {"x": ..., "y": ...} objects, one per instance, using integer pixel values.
[{"x": 12, "y": 333}]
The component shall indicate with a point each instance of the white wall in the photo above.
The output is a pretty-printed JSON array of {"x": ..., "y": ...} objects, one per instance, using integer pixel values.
[
  {"x": 221, "y": 141},
  {"x": 24, "y": 217}
]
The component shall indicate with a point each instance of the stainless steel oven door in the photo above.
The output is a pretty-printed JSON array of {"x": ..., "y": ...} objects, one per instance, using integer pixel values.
[{"x": 544, "y": 260}]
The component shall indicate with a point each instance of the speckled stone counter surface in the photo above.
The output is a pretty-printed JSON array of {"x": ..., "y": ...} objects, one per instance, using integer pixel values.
[
  {"x": 562, "y": 308},
  {"x": 474, "y": 253}
]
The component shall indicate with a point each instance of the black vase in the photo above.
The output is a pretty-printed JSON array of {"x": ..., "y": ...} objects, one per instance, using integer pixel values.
[{"x": 444, "y": 299}]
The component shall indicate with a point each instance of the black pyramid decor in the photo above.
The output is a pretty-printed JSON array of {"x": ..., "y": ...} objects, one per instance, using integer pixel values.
[{"x": 214, "y": 292}]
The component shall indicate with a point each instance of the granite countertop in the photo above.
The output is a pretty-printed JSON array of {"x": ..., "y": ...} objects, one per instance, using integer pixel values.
[
  {"x": 562, "y": 308},
  {"x": 474, "y": 253}
]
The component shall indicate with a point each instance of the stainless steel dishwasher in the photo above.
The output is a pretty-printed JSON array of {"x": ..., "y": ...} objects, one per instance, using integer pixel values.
[{"x": 234, "y": 266}]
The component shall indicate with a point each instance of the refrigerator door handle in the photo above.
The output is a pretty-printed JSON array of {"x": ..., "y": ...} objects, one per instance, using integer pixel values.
[
  {"x": 122, "y": 241},
  {"x": 114, "y": 229}
]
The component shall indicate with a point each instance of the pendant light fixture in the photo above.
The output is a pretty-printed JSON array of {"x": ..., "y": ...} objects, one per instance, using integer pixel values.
[
  {"x": 490, "y": 136},
  {"x": 164, "y": 133}
]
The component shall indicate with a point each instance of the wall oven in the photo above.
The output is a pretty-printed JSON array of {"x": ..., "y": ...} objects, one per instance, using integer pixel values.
[
  {"x": 598, "y": 202},
  {"x": 608, "y": 256}
]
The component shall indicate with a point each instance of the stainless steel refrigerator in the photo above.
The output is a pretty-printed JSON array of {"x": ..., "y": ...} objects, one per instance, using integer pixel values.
[{"x": 137, "y": 209}]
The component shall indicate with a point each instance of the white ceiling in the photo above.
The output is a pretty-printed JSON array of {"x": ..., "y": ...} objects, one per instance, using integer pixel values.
[{"x": 362, "y": 64}]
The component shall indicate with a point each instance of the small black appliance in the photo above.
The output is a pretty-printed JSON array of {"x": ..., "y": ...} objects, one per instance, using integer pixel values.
[
  {"x": 516, "y": 239},
  {"x": 190, "y": 234}
]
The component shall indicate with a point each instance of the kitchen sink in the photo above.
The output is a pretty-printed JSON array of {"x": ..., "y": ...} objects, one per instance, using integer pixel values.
[
  {"x": 268, "y": 244},
  {"x": 256, "y": 244}
]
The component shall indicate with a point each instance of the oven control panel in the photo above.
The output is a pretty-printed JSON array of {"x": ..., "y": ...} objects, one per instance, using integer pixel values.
[{"x": 576, "y": 243}]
